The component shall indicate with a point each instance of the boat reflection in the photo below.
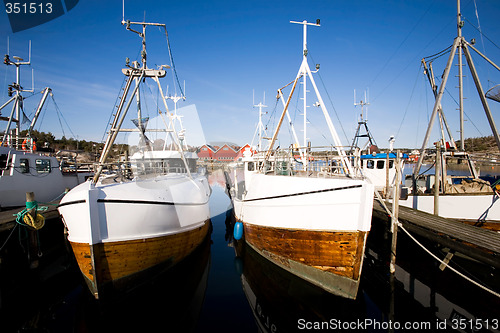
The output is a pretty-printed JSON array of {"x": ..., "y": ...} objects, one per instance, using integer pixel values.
[
  {"x": 282, "y": 302},
  {"x": 170, "y": 301},
  {"x": 418, "y": 296}
]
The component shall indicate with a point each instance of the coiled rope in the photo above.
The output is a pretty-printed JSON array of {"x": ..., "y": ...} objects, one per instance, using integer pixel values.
[{"x": 24, "y": 217}]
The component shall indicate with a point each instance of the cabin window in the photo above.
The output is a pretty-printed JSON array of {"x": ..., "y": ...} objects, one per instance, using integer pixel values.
[
  {"x": 3, "y": 161},
  {"x": 24, "y": 165},
  {"x": 42, "y": 165},
  {"x": 203, "y": 148},
  {"x": 391, "y": 164},
  {"x": 380, "y": 164},
  {"x": 370, "y": 164},
  {"x": 251, "y": 166},
  {"x": 225, "y": 148}
]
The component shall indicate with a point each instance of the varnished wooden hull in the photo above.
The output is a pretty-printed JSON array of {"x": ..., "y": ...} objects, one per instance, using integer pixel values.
[
  {"x": 331, "y": 260},
  {"x": 116, "y": 265}
]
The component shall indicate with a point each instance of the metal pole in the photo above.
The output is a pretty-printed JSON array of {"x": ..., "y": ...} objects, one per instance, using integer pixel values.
[
  {"x": 437, "y": 104},
  {"x": 481, "y": 94},
  {"x": 460, "y": 79}
]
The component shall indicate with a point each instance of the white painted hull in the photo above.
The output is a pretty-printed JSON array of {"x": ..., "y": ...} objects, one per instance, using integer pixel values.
[
  {"x": 335, "y": 204},
  {"x": 475, "y": 207},
  {"x": 137, "y": 209},
  {"x": 47, "y": 186}
]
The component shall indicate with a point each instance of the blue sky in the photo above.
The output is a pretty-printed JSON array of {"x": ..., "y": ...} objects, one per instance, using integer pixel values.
[{"x": 225, "y": 50}]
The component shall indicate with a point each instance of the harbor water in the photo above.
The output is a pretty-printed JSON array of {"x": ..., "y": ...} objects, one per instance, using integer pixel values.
[{"x": 224, "y": 286}]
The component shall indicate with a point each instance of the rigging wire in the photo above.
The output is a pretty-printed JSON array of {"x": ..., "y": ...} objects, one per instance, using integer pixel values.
[
  {"x": 331, "y": 102},
  {"x": 401, "y": 44},
  {"x": 482, "y": 34},
  {"x": 409, "y": 102},
  {"x": 58, "y": 111},
  {"x": 172, "y": 61}
]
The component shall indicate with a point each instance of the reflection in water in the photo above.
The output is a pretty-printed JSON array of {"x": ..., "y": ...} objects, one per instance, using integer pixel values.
[
  {"x": 419, "y": 294},
  {"x": 249, "y": 294},
  {"x": 170, "y": 301}
]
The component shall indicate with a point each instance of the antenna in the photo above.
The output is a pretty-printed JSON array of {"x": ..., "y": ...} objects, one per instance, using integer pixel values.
[
  {"x": 362, "y": 103},
  {"x": 123, "y": 11}
]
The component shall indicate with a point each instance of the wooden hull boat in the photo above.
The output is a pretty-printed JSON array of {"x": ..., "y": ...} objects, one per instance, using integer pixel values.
[
  {"x": 119, "y": 230},
  {"x": 317, "y": 233}
]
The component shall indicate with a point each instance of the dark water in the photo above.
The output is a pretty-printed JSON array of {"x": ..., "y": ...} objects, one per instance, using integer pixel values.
[{"x": 226, "y": 287}]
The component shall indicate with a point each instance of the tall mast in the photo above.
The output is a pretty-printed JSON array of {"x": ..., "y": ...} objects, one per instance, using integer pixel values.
[
  {"x": 459, "y": 45},
  {"x": 260, "y": 126},
  {"x": 460, "y": 24},
  {"x": 305, "y": 70}
]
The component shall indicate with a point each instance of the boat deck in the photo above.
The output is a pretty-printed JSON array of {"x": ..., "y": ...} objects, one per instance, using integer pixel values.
[{"x": 478, "y": 243}]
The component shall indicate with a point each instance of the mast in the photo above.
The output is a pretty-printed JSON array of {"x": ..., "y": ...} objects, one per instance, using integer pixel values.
[
  {"x": 459, "y": 45},
  {"x": 362, "y": 122},
  {"x": 15, "y": 89},
  {"x": 460, "y": 24},
  {"x": 138, "y": 75},
  {"x": 260, "y": 126},
  {"x": 304, "y": 71}
]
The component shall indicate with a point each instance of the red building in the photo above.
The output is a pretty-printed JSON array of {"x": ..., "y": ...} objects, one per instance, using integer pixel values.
[
  {"x": 226, "y": 153},
  {"x": 223, "y": 153},
  {"x": 206, "y": 152}
]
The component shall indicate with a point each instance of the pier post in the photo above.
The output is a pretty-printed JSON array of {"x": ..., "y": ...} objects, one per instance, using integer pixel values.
[
  {"x": 32, "y": 234},
  {"x": 395, "y": 214},
  {"x": 437, "y": 177},
  {"x": 387, "y": 175}
]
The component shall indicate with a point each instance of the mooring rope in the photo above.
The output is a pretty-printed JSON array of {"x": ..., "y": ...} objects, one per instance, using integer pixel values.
[
  {"x": 447, "y": 265},
  {"x": 400, "y": 225}
]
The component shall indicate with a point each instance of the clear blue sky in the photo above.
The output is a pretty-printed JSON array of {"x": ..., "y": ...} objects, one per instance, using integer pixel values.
[{"x": 225, "y": 50}]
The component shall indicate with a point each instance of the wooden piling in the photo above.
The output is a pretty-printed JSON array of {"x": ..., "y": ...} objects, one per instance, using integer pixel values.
[
  {"x": 395, "y": 215},
  {"x": 32, "y": 234},
  {"x": 437, "y": 178}
]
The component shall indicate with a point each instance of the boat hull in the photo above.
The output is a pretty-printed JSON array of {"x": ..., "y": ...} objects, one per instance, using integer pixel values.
[
  {"x": 317, "y": 233},
  {"x": 118, "y": 230},
  {"x": 474, "y": 207},
  {"x": 117, "y": 265},
  {"x": 330, "y": 260}
]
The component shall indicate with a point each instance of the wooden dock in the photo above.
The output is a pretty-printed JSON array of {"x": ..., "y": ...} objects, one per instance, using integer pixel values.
[{"x": 476, "y": 242}]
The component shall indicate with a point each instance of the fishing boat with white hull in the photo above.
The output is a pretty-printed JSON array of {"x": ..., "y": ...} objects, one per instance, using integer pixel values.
[
  {"x": 460, "y": 197},
  {"x": 24, "y": 167},
  {"x": 150, "y": 213},
  {"x": 308, "y": 217}
]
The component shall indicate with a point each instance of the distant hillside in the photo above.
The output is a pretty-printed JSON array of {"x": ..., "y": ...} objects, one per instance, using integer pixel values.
[{"x": 485, "y": 144}]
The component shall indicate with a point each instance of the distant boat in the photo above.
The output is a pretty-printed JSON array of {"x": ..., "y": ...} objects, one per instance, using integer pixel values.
[
  {"x": 307, "y": 212},
  {"x": 24, "y": 165},
  {"x": 148, "y": 214}
]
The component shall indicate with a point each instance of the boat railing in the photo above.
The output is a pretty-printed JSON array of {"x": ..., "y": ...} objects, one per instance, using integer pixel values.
[{"x": 311, "y": 161}]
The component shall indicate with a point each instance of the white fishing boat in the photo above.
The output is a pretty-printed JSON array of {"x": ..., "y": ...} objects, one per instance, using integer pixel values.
[
  {"x": 306, "y": 212},
  {"x": 148, "y": 214},
  {"x": 459, "y": 197},
  {"x": 24, "y": 166}
]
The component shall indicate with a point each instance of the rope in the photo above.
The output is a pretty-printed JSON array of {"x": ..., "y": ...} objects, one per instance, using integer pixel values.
[
  {"x": 24, "y": 217},
  {"x": 400, "y": 225},
  {"x": 447, "y": 265}
]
